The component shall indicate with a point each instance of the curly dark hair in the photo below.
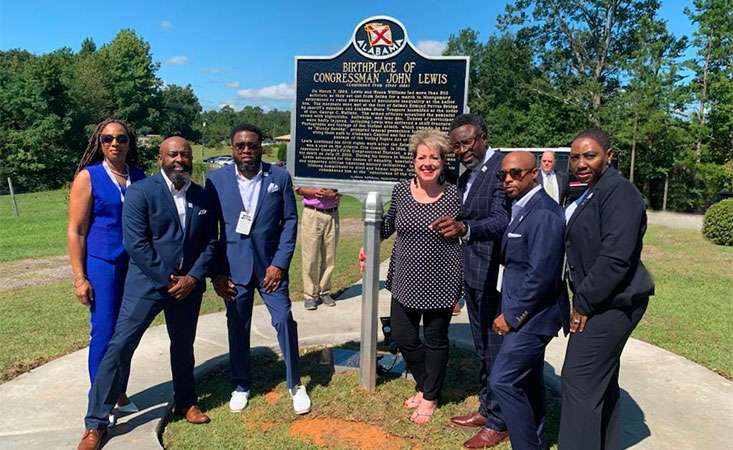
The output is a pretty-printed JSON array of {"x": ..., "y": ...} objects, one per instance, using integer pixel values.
[{"x": 93, "y": 152}]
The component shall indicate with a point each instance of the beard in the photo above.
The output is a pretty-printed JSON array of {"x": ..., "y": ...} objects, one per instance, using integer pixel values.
[
  {"x": 249, "y": 167},
  {"x": 178, "y": 178}
]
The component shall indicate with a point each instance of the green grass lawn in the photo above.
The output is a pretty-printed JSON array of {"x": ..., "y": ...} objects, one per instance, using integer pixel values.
[
  {"x": 690, "y": 315},
  {"x": 344, "y": 416},
  {"x": 692, "y": 311},
  {"x": 40, "y": 230},
  {"x": 39, "y": 323}
]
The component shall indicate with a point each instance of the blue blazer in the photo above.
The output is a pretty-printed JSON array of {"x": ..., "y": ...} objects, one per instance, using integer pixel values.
[
  {"x": 157, "y": 245},
  {"x": 485, "y": 212},
  {"x": 271, "y": 240},
  {"x": 533, "y": 295}
]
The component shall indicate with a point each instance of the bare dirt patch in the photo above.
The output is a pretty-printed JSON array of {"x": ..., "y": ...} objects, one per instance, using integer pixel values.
[
  {"x": 272, "y": 397},
  {"x": 336, "y": 433},
  {"x": 351, "y": 227},
  {"x": 34, "y": 272}
]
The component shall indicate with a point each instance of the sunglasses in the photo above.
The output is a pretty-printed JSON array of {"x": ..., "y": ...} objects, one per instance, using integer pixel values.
[
  {"x": 515, "y": 172},
  {"x": 243, "y": 145},
  {"x": 108, "y": 138}
]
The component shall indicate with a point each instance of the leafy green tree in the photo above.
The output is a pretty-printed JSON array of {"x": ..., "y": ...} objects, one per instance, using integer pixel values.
[
  {"x": 645, "y": 115},
  {"x": 580, "y": 45},
  {"x": 179, "y": 108},
  {"x": 712, "y": 85},
  {"x": 132, "y": 77}
]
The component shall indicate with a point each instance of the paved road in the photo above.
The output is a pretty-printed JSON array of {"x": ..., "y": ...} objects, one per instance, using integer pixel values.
[{"x": 668, "y": 402}]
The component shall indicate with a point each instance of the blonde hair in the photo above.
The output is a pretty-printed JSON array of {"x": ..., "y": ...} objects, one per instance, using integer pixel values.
[{"x": 435, "y": 139}]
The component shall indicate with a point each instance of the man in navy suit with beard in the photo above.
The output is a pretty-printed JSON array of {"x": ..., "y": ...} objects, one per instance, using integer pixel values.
[
  {"x": 169, "y": 231},
  {"x": 258, "y": 223},
  {"x": 480, "y": 225}
]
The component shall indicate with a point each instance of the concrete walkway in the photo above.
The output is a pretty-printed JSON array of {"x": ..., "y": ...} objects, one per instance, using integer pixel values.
[
  {"x": 668, "y": 402},
  {"x": 675, "y": 220}
]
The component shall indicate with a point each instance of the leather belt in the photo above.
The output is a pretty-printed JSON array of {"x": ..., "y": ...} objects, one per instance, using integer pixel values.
[{"x": 327, "y": 210}]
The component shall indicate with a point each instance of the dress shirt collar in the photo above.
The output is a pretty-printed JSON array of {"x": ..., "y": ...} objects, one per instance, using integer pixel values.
[
  {"x": 245, "y": 179},
  {"x": 522, "y": 202},
  {"x": 172, "y": 188}
]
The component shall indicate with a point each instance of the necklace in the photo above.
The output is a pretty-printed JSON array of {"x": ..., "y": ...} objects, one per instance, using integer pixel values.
[{"x": 119, "y": 174}]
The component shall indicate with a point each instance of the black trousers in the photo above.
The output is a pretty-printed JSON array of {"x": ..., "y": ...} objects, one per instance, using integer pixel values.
[
  {"x": 426, "y": 361},
  {"x": 590, "y": 392},
  {"x": 483, "y": 307},
  {"x": 136, "y": 314}
]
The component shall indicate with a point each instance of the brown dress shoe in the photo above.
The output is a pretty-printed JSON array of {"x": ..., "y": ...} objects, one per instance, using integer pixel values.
[
  {"x": 471, "y": 420},
  {"x": 486, "y": 438},
  {"x": 196, "y": 416},
  {"x": 91, "y": 439}
]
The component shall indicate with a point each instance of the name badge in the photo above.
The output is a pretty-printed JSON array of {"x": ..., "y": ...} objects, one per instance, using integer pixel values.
[
  {"x": 500, "y": 278},
  {"x": 244, "y": 225}
]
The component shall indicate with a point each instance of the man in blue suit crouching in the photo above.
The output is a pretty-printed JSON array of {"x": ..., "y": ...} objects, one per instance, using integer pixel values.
[
  {"x": 169, "y": 230},
  {"x": 534, "y": 303},
  {"x": 258, "y": 223}
]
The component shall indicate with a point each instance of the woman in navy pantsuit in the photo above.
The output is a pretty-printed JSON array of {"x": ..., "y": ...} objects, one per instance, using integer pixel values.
[
  {"x": 98, "y": 259},
  {"x": 611, "y": 290}
]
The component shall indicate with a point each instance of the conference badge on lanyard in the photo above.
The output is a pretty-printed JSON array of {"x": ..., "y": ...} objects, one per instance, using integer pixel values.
[{"x": 244, "y": 225}]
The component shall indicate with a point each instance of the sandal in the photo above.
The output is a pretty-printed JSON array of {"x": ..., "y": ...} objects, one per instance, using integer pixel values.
[
  {"x": 413, "y": 402},
  {"x": 423, "y": 417}
]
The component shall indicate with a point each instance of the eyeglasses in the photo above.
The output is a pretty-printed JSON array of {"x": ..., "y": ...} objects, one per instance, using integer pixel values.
[
  {"x": 515, "y": 172},
  {"x": 243, "y": 145},
  {"x": 467, "y": 143},
  {"x": 108, "y": 138}
]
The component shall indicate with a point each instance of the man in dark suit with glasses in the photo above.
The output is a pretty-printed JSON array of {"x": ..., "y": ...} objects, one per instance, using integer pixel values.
[{"x": 480, "y": 225}]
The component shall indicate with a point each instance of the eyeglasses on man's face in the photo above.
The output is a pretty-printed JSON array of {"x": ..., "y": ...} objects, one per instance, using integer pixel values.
[{"x": 465, "y": 143}]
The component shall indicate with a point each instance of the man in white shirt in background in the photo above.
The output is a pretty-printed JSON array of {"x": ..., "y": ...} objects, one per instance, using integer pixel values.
[{"x": 554, "y": 183}]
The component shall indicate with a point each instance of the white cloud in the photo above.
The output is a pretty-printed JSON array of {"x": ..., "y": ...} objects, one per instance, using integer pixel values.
[
  {"x": 213, "y": 70},
  {"x": 232, "y": 84},
  {"x": 280, "y": 91},
  {"x": 433, "y": 48},
  {"x": 177, "y": 60},
  {"x": 166, "y": 25}
]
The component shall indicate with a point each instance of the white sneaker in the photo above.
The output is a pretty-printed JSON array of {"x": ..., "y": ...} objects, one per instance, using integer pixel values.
[
  {"x": 301, "y": 401},
  {"x": 238, "y": 401},
  {"x": 129, "y": 408}
]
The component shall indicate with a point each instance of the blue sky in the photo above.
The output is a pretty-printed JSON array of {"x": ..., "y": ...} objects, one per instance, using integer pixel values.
[{"x": 242, "y": 52}]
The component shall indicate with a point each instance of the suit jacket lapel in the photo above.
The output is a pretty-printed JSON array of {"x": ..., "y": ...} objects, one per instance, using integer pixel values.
[
  {"x": 235, "y": 186},
  {"x": 580, "y": 209},
  {"x": 481, "y": 177},
  {"x": 264, "y": 184},
  {"x": 190, "y": 208},
  {"x": 168, "y": 198},
  {"x": 519, "y": 219}
]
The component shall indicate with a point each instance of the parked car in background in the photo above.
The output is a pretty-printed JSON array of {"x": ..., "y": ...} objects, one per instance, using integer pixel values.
[{"x": 221, "y": 160}]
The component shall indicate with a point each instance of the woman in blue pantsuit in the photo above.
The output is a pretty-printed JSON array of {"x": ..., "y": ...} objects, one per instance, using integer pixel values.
[{"x": 98, "y": 259}]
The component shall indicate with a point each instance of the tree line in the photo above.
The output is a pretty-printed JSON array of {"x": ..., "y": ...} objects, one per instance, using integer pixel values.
[
  {"x": 553, "y": 68},
  {"x": 558, "y": 66},
  {"x": 50, "y": 104}
]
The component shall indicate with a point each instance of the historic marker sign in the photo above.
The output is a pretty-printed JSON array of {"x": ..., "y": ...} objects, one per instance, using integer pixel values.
[{"x": 355, "y": 111}]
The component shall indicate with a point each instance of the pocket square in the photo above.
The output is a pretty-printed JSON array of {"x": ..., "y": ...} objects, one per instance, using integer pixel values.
[
  {"x": 202, "y": 212},
  {"x": 273, "y": 188},
  {"x": 513, "y": 235}
]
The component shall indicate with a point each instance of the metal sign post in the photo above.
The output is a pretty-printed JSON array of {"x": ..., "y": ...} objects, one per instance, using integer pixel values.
[
  {"x": 12, "y": 197},
  {"x": 370, "y": 292}
]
